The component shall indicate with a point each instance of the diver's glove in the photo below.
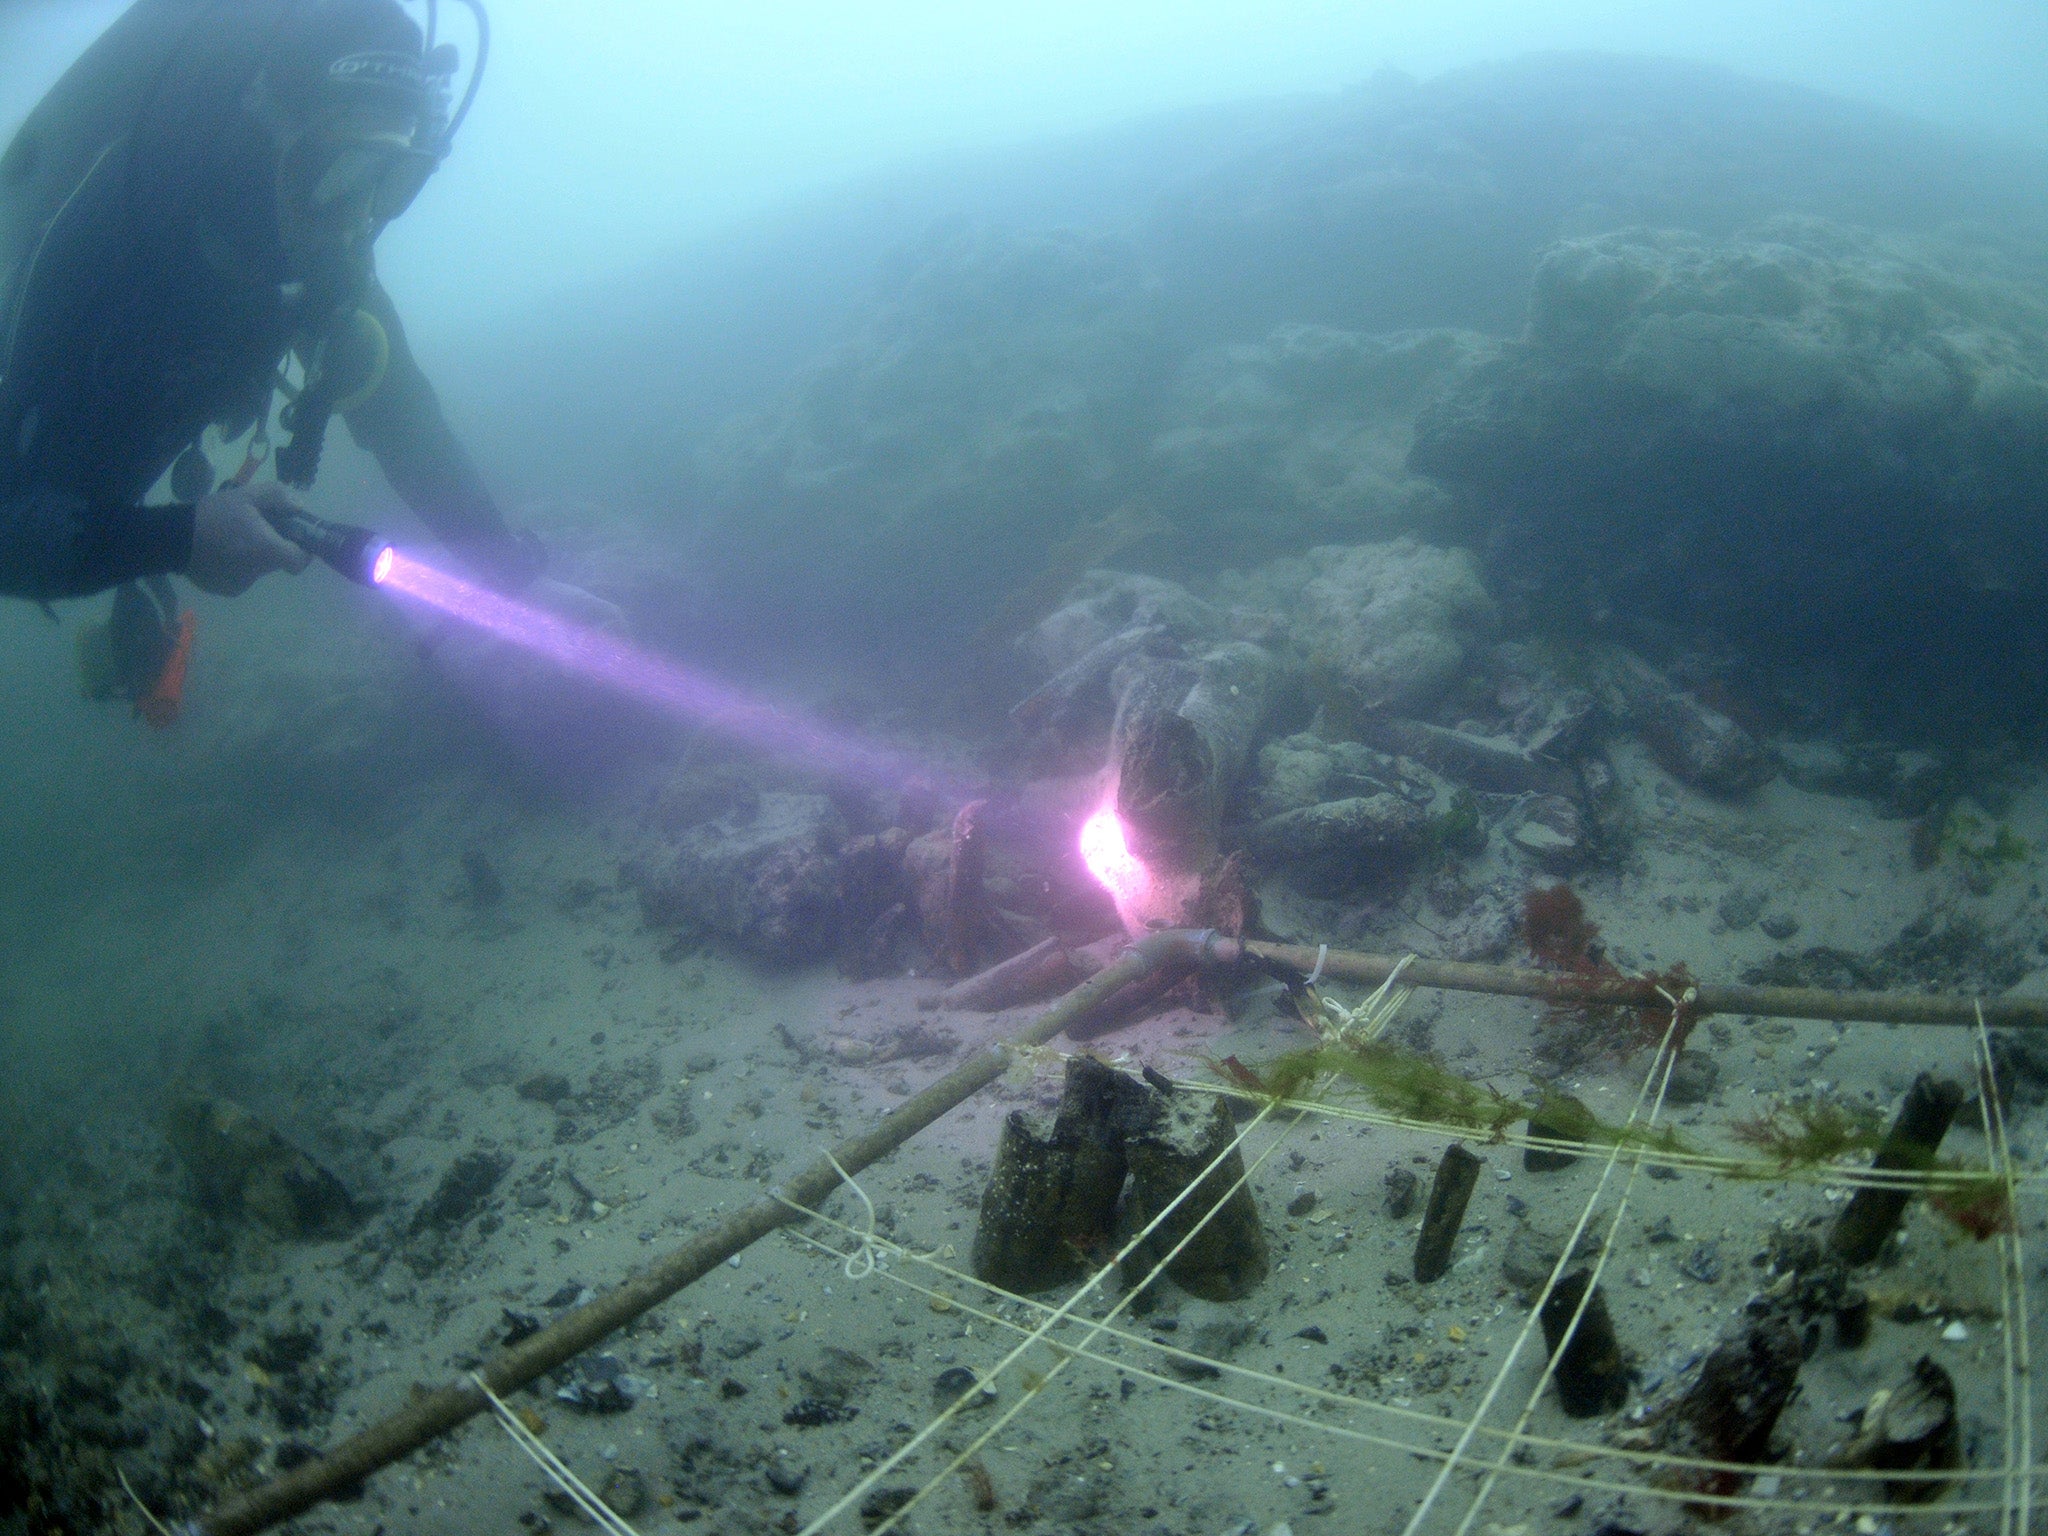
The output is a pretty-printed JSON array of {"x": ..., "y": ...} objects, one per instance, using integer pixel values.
[{"x": 233, "y": 542}]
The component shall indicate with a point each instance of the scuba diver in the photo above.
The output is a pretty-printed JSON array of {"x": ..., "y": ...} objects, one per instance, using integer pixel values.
[{"x": 191, "y": 208}]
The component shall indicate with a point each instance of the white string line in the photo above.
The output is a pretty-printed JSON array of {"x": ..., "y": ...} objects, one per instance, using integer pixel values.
[
  {"x": 147, "y": 1513},
  {"x": 557, "y": 1470},
  {"x": 1590, "y": 1451},
  {"x": 1666, "y": 1059},
  {"x": 864, "y": 1260},
  {"x": 2012, "y": 1285},
  {"x": 1640, "y": 1457},
  {"x": 1747, "y": 1170},
  {"x": 1087, "y": 1287},
  {"x": 1549, "y": 1287},
  {"x": 1066, "y": 1353}
]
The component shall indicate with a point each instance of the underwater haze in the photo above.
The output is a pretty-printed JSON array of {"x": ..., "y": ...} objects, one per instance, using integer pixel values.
[{"x": 896, "y": 504}]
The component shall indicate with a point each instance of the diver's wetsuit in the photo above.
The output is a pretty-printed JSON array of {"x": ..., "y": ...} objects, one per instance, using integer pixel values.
[{"x": 143, "y": 296}]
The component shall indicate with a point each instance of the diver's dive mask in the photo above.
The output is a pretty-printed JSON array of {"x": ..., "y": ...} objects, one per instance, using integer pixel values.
[{"x": 383, "y": 123}]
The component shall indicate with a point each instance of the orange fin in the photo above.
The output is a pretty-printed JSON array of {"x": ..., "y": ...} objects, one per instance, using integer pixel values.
[{"x": 160, "y": 705}]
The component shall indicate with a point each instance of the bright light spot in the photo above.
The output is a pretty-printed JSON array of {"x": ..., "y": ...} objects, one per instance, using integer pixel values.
[
  {"x": 1109, "y": 857},
  {"x": 380, "y": 568}
]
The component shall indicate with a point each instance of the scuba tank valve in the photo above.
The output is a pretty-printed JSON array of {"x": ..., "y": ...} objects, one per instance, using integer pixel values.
[{"x": 361, "y": 554}]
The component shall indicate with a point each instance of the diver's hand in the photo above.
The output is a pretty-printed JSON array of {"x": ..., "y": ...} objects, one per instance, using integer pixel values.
[{"x": 233, "y": 543}]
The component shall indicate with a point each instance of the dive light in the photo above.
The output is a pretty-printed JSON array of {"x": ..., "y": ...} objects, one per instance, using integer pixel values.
[{"x": 361, "y": 554}]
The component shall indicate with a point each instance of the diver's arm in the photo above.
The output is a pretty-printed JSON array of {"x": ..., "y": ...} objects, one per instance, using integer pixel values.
[
  {"x": 400, "y": 421},
  {"x": 57, "y": 544}
]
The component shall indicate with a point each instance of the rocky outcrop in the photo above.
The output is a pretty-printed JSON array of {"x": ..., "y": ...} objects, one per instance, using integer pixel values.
[
  {"x": 927, "y": 466},
  {"x": 1389, "y": 625},
  {"x": 1803, "y": 439},
  {"x": 1301, "y": 438},
  {"x": 765, "y": 874}
]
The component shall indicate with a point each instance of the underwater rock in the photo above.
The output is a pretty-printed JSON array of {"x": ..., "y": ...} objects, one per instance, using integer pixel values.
[
  {"x": 1694, "y": 1076},
  {"x": 1300, "y": 437},
  {"x": 1105, "y": 606},
  {"x": 1298, "y": 771},
  {"x": 1401, "y": 1186},
  {"x": 240, "y": 1166},
  {"x": 1341, "y": 847},
  {"x": 1690, "y": 739},
  {"x": 1530, "y": 1255},
  {"x": 1804, "y": 439},
  {"x": 1739, "y": 907},
  {"x": 765, "y": 874},
  {"x": 1543, "y": 714},
  {"x": 1497, "y": 767},
  {"x": 952, "y": 459},
  {"x": 1066, "y": 717},
  {"x": 1390, "y": 625},
  {"x": 465, "y": 1186},
  {"x": 600, "y": 1384},
  {"x": 1549, "y": 829}
]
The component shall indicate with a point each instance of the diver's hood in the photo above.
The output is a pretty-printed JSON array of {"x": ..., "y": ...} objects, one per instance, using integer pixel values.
[{"x": 174, "y": 79}]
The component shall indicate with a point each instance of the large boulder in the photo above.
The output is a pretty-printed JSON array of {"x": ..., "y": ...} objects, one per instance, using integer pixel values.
[
  {"x": 765, "y": 873},
  {"x": 1390, "y": 624},
  {"x": 1807, "y": 439}
]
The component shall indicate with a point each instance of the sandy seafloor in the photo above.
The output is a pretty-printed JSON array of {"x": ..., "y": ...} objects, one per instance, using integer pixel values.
[{"x": 360, "y": 1001}]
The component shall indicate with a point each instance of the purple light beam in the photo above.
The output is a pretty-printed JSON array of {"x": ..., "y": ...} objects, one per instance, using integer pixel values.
[{"x": 609, "y": 660}]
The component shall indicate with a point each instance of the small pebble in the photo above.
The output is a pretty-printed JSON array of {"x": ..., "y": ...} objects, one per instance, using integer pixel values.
[
  {"x": 1302, "y": 1203},
  {"x": 1955, "y": 1333}
]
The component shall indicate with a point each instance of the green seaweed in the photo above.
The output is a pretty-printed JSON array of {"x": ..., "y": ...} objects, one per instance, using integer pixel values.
[
  {"x": 1808, "y": 1132},
  {"x": 1988, "y": 851},
  {"x": 1412, "y": 1086},
  {"x": 1459, "y": 829}
]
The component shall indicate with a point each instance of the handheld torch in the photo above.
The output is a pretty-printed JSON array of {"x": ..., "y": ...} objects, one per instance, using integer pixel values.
[{"x": 361, "y": 554}]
